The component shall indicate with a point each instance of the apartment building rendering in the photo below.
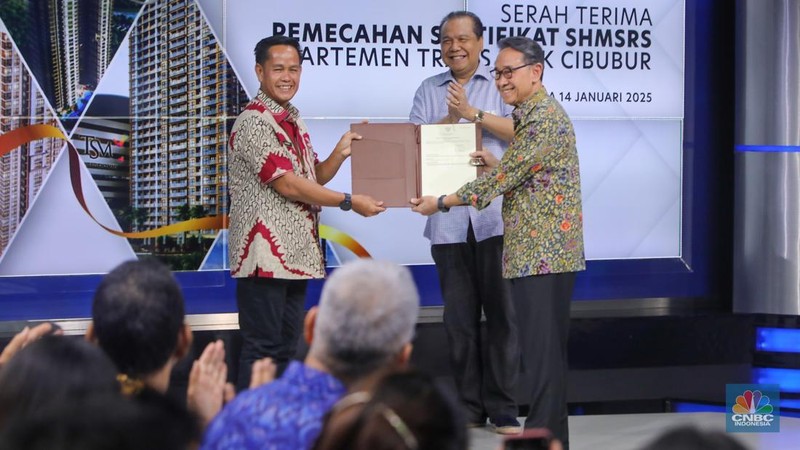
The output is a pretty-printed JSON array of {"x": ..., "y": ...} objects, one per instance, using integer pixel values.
[
  {"x": 23, "y": 170},
  {"x": 184, "y": 97},
  {"x": 66, "y": 44}
]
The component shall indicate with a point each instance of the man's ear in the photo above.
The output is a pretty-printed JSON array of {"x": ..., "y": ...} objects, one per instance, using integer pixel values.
[
  {"x": 538, "y": 70},
  {"x": 309, "y": 323},
  {"x": 259, "y": 72},
  {"x": 91, "y": 336},
  {"x": 185, "y": 339}
]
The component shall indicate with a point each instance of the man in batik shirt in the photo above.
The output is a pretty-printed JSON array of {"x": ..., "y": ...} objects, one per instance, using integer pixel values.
[
  {"x": 543, "y": 225},
  {"x": 276, "y": 191}
]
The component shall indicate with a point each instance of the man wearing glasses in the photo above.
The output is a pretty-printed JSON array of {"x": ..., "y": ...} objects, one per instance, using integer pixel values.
[
  {"x": 467, "y": 244},
  {"x": 543, "y": 242}
]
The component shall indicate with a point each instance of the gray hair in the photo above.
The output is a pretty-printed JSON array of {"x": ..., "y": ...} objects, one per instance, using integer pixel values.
[
  {"x": 532, "y": 52},
  {"x": 367, "y": 314}
]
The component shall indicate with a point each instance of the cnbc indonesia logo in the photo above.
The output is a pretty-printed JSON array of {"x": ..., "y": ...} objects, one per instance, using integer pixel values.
[{"x": 752, "y": 409}]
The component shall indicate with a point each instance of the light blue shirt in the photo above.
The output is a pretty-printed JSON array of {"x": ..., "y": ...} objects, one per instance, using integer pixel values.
[{"x": 430, "y": 106}]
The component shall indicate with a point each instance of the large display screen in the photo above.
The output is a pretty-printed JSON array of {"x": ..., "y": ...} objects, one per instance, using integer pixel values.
[{"x": 145, "y": 95}]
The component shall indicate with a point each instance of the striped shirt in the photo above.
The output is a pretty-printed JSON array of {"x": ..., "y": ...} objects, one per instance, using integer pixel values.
[{"x": 430, "y": 106}]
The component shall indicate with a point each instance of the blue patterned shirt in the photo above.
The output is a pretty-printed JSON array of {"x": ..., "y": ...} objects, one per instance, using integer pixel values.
[
  {"x": 285, "y": 414},
  {"x": 430, "y": 106}
]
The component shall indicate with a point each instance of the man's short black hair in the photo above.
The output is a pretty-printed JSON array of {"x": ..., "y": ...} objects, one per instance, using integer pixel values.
[
  {"x": 477, "y": 25},
  {"x": 262, "y": 48},
  {"x": 138, "y": 313}
]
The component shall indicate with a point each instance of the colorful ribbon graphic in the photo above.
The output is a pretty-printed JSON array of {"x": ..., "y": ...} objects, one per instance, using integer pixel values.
[{"x": 21, "y": 136}]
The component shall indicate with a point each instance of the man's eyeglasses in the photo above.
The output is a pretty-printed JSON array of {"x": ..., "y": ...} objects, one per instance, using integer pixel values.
[{"x": 506, "y": 73}]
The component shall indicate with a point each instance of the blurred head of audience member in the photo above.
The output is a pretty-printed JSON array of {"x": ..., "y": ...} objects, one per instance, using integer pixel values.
[
  {"x": 365, "y": 320},
  {"x": 691, "y": 438},
  {"x": 54, "y": 370},
  {"x": 138, "y": 320},
  {"x": 364, "y": 323},
  {"x": 25, "y": 337},
  {"x": 403, "y": 411},
  {"x": 102, "y": 422}
]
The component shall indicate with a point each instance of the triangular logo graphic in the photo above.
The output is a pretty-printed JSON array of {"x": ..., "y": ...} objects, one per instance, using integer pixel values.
[
  {"x": 24, "y": 169},
  {"x": 57, "y": 237},
  {"x": 68, "y": 44},
  {"x": 217, "y": 256},
  {"x": 331, "y": 256}
]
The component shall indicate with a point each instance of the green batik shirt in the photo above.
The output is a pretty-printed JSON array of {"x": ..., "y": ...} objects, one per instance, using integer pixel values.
[{"x": 540, "y": 178}]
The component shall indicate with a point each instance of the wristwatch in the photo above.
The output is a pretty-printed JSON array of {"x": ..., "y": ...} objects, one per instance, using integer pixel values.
[
  {"x": 346, "y": 204},
  {"x": 440, "y": 204},
  {"x": 478, "y": 117}
]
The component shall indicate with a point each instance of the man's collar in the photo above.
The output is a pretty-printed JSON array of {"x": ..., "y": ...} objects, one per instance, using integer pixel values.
[
  {"x": 482, "y": 71},
  {"x": 278, "y": 111},
  {"x": 535, "y": 98}
]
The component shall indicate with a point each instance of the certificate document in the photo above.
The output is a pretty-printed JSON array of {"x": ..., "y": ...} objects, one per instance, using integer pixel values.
[
  {"x": 444, "y": 157},
  {"x": 394, "y": 162}
]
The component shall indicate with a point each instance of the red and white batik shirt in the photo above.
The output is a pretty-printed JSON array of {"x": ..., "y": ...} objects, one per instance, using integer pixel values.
[{"x": 271, "y": 236}]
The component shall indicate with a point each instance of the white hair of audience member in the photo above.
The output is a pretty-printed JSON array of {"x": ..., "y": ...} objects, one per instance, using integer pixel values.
[{"x": 367, "y": 313}]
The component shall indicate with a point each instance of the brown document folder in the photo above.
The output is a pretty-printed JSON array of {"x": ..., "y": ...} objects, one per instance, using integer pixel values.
[{"x": 385, "y": 163}]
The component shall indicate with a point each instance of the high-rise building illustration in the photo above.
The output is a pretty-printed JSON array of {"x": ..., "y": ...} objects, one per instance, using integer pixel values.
[
  {"x": 62, "y": 18},
  {"x": 42, "y": 153},
  {"x": 182, "y": 89},
  {"x": 95, "y": 28},
  {"x": 23, "y": 170},
  {"x": 70, "y": 49},
  {"x": 13, "y": 198}
]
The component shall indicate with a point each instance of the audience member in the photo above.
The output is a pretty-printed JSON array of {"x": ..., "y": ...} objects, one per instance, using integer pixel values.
[
  {"x": 691, "y": 438},
  {"x": 52, "y": 371},
  {"x": 137, "y": 319},
  {"x": 364, "y": 323},
  {"x": 405, "y": 410},
  {"x": 105, "y": 422},
  {"x": 25, "y": 337}
]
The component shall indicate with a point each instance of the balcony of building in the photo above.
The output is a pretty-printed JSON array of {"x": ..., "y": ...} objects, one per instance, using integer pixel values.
[
  {"x": 177, "y": 53},
  {"x": 182, "y": 145},
  {"x": 211, "y": 61},
  {"x": 178, "y": 71},
  {"x": 177, "y": 175}
]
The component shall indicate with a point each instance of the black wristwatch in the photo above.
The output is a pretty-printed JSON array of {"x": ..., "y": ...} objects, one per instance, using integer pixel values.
[
  {"x": 346, "y": 204},
  {"x": 440, "y": 204}
]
